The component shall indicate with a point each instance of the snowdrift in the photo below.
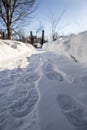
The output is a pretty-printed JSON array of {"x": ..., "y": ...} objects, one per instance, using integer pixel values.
[
  {"x": 72, "y": 46},
  {"x": 13, "y": 54},
  {"x": 79, "y": 47}
]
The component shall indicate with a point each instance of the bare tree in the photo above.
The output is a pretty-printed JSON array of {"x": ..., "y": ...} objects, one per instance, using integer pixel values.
[
  {"x": 54, "y": 21},
  {"x": 12, "y": 11}
]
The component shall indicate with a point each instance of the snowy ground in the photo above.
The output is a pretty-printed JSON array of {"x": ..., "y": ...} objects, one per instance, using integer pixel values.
[{"x": 50, "y": 93}]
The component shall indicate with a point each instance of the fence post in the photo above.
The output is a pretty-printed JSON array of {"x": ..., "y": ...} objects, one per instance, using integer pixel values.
[
  {"x": 42, "y": 39},
  {"x": 31, "y": 38},
  {"x": 2, "y": 35}
]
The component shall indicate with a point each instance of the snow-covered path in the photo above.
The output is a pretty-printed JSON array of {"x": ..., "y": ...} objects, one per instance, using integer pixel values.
[
  {"x": 63, "y": 90},
  {"x": 50, "y": 94}
]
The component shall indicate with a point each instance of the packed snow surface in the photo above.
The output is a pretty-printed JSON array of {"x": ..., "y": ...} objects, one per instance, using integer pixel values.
[{"x": 49, "y": 93}]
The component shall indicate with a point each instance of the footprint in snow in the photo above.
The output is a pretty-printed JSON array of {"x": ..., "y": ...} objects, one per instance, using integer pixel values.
[
  {"x": 54, "y": 76},
  {"x": 19, "y": 91},
  {"x": 31, "y": 77},
  {"x": 50, "y": 73},
  {"x": 24, "y": 106},
  {"x": 8, "y": 78},
  {"x": 75, "y": 112},
  {"x": 6, "y": 82},
  {"x": 47, "y": 67}
]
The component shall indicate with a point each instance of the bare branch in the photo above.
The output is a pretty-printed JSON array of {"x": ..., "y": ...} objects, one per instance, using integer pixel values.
[
  {"x": 54, "y": 21},
  {"x": 12, "y": 11}
]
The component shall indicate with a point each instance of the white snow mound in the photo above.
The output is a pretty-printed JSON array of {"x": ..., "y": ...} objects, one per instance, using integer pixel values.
[
  {"x": 72, "y": 46},
  {"x": 13, "y": 54},
  {"x": 79, "y": 47}
]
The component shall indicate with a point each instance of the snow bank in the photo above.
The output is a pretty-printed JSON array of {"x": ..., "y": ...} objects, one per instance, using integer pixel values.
[
  {"x": 13, "y": 54},
  {"x": 72, "y": 46},
  {"x": 79, "y": 47}
]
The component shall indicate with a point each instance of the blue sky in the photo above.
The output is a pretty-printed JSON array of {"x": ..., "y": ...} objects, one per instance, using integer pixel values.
[{"x": 73, "y": 20}]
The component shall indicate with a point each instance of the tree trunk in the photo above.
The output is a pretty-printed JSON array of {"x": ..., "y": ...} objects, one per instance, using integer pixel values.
[
  {"x": 42, "y": 40},
  {"x": 31, "y": 38},
  {"x": 9, "y": 18},
  {"x": 9, "y": 32}
]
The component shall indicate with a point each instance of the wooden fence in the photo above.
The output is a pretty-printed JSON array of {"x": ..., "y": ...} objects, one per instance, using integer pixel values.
[
  {"x": 34, "y": 40},
  {"x": 2, "y": 35}
]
